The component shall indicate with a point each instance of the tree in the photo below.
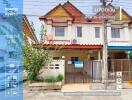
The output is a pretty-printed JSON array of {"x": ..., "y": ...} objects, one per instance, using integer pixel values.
[{"x": 34, "y": 60}]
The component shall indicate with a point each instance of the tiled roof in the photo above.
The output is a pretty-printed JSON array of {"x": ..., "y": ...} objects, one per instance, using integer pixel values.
[
  {"x": 70, "y": 46},
  {"x": 78, "y": 16}
]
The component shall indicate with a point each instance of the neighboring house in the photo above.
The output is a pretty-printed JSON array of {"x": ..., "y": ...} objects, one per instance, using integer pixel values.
[
  {"x": 130, "y": 30},
  {"x": 81, "y": 40},
  {"x": 28, "y": 31},
  {"x": 119, "y": 36}
]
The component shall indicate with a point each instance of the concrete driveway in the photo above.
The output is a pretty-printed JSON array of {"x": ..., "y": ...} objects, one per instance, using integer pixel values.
[
  {"x": 126, "y": 94},
  {"x": 75, "y": 87},
  {"x": 58, "y": 95}
]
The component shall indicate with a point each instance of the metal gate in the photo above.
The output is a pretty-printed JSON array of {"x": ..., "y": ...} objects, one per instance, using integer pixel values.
[
  {"x": 120, "y": 65},
  {"x": 82, "y": 75},
  {"x": 92, "y": 70}
]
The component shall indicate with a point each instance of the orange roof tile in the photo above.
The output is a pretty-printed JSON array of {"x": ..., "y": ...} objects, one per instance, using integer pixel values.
[
  {"x": 78, "y": 16},
  {"x": 69, "y": 46}
]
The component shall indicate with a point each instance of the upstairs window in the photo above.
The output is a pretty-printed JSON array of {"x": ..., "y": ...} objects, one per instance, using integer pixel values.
[
  {"x": 59, "y": 31},
  {"x": 79, "y": 31},
  {"x": 97, "y": 32},
  {"x": 115, "y": 32}
]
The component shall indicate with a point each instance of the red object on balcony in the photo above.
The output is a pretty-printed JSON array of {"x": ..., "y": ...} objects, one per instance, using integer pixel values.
[{"x": 49, "y": 37}]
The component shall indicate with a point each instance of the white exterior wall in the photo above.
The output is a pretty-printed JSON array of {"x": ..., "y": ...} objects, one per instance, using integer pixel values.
[
  {"x": 88, "y": 35},
  {"x": 54, "y": 69},
  {"x": 130, "y": 31},
  {"x": 124, "y": 39}
]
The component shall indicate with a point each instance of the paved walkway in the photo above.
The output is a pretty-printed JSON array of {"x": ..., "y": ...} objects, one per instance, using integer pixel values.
[
  {"x": 76, "y": 87},
  {"x": 126, "y": 94},
  {"x": 52, "y": 95}
]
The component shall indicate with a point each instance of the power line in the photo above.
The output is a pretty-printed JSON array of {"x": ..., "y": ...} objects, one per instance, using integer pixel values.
[{"x": 52, "y": 4}]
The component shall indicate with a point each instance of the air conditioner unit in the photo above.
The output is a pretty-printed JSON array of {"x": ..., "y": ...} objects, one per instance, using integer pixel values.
[{"x": 74, "y": 41}]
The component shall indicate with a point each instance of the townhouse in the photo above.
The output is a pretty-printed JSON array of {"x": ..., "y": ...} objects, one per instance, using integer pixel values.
[{"x": 80, "y": 41}]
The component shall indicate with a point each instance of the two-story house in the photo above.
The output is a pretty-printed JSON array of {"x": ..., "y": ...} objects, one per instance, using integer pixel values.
[
  {"x": 80, "y": 40},
  {"x": 119, "y": 36},
  {"x": 70, "y": 28}
]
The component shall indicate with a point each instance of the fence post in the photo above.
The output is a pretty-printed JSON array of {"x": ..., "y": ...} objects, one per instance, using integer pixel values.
[{"x": 129, "y": 70}]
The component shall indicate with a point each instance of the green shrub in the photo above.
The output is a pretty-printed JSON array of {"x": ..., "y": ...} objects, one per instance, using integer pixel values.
[
  {"x": 52, "y": 79},
  {"x": 59, "y": 78},
  {"x": 34, "y": 60},
  {"x": 130, "y": 55}
]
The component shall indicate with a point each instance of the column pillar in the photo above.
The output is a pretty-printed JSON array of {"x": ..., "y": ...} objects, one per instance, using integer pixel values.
[
  {"x": 108, "y": 32},
  {"x": 69, "y": 30},
  {"x": 99, "y": 55},
  {"x": 126, "y": 31},
  {"x": 49, "y": 27}
]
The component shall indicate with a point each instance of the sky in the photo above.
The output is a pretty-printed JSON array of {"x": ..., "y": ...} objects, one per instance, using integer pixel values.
[
  {"x": 36, "y": 8},
  {"x": 40, "y": 7}
]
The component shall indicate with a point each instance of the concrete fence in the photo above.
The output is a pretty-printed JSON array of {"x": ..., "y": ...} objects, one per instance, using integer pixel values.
[{"x": 53, "y": 69}]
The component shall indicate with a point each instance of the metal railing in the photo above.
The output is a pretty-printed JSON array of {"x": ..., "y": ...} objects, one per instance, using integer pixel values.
[
  {"x": 121, "y": 65},
  {"x": 92, "y": 70}
]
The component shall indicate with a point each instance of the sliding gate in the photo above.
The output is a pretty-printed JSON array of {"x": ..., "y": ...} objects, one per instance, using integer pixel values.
[{"x": 90, "y": 70}]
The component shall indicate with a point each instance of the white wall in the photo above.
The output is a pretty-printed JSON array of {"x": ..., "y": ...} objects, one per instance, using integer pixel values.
[
  {"x": 51, "y": 70},
  {"x": 124, "y": 39},
  {"x": 88, "y": 35},
  {"x": 130, "y": 31}
]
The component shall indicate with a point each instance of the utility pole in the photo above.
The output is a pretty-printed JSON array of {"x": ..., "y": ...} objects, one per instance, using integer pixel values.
[{"x": 105, "y": 44}]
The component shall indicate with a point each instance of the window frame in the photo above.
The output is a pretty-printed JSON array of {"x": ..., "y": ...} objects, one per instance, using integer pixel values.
[
  {"x": 115, "y": 33},
  {"x": 97, "y": 33},
  {"x": 57, "y": 34},
  {"x": 79, "y": 35}
]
